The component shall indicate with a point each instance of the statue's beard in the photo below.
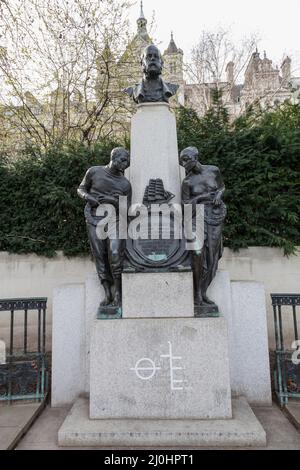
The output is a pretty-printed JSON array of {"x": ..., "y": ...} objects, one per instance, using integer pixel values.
[{"x": 152, "y": 72}]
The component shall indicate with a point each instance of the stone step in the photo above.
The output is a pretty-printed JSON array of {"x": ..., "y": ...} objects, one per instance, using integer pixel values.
[{"x": 242, "y": 430}]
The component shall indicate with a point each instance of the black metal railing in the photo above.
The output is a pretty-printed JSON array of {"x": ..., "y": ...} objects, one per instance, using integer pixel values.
[
  {"x": 287, "y": 367},
  {"x": 24, "y": 375}
]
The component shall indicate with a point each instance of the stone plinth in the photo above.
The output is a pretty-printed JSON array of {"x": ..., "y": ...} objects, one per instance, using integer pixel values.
[
  {"x": 160, "y": 369},
  {"x": 68, "y": 344},
  {"x": 154, "y": 151},
  {"x": 243, "y": 305},
  {"x": 94, "y": 293},
  {"x": 243, "y": 430},
  {"x": 157, "y": 295},
  {"x": 250, "y": 342}
]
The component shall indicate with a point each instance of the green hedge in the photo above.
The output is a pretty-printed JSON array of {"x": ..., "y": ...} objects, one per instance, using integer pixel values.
[
  {"x": 258, "y": 155},
  {"x": 40, "y": 210}
]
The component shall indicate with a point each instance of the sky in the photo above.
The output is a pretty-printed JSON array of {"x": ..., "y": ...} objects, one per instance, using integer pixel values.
[{"x": 276, "y": 23}]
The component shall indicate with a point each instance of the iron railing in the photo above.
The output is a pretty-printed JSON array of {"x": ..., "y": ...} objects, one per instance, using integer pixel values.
[
  {"x": 287, "y": 369},
  {"x": 24, "y": 375}
]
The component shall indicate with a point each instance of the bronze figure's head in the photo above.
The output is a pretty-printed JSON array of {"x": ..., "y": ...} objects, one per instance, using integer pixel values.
[
  {"x": 189, "y": 158},
  {"x": 119, "y": 159},
  {"x": 151, "y": 61}
]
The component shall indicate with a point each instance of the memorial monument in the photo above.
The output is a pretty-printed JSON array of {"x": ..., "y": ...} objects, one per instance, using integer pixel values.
[{"x": 159, "y": 366}]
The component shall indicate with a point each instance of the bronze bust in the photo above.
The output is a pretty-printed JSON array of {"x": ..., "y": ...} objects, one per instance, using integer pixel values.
[{"x": 152, "y": 88}]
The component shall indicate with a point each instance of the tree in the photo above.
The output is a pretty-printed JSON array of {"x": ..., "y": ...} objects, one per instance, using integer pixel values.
[
  {"x": 212, "y": 57},
  {"x": 58, "y": 64}
]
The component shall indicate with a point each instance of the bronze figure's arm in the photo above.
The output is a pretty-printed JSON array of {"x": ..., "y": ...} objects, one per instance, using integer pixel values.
[
  {"x": 221, "y": 188},
  {"x": 84, "y": 188}
]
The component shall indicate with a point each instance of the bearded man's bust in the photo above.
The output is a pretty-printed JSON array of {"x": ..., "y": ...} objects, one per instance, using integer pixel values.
[{"x": 152, "y": 88}]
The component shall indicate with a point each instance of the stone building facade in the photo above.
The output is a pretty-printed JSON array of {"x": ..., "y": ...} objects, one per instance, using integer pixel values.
[{"x": 263, "y": 82}]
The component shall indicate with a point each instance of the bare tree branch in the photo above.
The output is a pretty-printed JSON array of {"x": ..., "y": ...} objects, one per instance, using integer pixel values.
[{"x": 59, "y": 67}]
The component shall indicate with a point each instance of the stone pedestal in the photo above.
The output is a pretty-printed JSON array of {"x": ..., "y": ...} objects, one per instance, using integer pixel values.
[
  {"x": 241, "y": 303},
  {"x": 157, "y": 295},
  {"x": 154, "y": 152},
  {"x": 160, "y": 381},
  {"x": 163, "y": 368}
]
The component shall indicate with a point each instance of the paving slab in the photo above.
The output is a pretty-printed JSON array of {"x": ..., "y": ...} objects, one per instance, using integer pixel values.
[
  {"x": 15, "y": 420},
  {"x": 281, "y": 433},
  {"x": 293, "y": 411}
]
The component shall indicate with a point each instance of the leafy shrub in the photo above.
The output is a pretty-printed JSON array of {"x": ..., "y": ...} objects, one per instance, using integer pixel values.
[
  {"x": 258, "y": 156},
  {"x": 40, "y": 209}
]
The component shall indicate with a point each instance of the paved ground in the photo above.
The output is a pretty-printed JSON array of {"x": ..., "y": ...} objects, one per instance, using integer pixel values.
[
  {"x": 281, "y": 434},
  {"x": 293, "y": 412},
  {"x": 14, "y": 421}
]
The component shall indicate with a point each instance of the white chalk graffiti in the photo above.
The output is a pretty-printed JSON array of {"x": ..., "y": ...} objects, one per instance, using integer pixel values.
[
  {"x": 138, "y": 368},
  {"x": 146, "y": 369},
  {"x": 173, "y": 368}
]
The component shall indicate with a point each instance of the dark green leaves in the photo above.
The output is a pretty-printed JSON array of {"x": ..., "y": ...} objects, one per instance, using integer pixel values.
[{"x": 259, "y": 157}]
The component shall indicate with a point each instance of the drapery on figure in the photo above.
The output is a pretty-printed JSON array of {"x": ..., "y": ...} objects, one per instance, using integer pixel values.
[
  {"x": 104, "y": 185},
  {"x": 152, "y": 88},
  {"x": 203, "y": 184}
]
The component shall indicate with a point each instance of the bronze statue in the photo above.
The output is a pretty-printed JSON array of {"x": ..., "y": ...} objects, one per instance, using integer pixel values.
[
  {"x": 203, "y": 184},
  {"x": 152, "y": 88},
  {"x": 104, "y": 185}
]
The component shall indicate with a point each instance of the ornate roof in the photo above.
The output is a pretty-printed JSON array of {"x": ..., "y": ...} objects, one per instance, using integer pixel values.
[
  {"x": 142, "y": 16},
  {"x": 142, "y": 26},
  {"x": 172, "y": 48}
]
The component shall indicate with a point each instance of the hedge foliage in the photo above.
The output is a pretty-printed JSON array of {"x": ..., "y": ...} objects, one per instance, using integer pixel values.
[
  {"x": 40, "y": 210},
  {"x": 258, "y": 156}
]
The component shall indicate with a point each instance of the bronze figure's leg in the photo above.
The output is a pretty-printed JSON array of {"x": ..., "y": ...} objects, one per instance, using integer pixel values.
[
  {"x": 212, "y": 252},
  {"x": 115, "y": 255},
  {"x": 99, "y": 251},
  {"x": 107, "y": 293},
  {"x": 197, "y": 273}
]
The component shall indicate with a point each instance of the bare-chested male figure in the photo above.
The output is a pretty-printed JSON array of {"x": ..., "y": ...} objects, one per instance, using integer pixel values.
[{"x": 203, "y": 184}]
